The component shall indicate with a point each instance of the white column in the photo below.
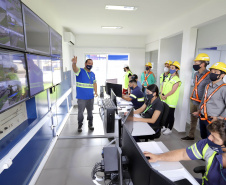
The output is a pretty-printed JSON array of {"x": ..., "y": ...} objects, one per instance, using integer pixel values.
[{"x": 187, "y": 57}]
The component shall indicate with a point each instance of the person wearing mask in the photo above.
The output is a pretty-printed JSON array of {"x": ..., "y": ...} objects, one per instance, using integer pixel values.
[
  {"x": 147, "y": 77},
  {"x": 152, "y": 109},
  {"x": 86, "y": 86},
  {"x": 201, "y": 79},
  {"x": 164, "y": 75},
  {"x": 213, "y": 104},
  {"x": 212, "y": 150},
  {"x": 138, "y": 83},
  {"x": 136, "y": 96},
  {"x": 170, "y": 95},
  {"x": 126, "y": 79}
]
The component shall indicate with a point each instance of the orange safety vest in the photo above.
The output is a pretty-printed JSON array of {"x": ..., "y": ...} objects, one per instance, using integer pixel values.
[
  {"x": 206, "y": 100},
  {"x": 146, "y": 77},
  {"x": 196, "y": 87}
]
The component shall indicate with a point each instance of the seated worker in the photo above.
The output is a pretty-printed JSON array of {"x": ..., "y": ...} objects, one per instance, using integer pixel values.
[
  {"x": 138, "y": 83},
  {"x": 136, "y": 97},
  {"x": 211, "y": 149},
  {"x": 152, "y": 109}
]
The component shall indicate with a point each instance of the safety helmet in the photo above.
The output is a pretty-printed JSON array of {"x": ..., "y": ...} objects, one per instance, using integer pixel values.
[
  {"x": 220, "y": 66},
  {"x": 203, "y": 57},
  {"x": 149, "y": 64},
  {"x": 176, "y": 63},
  {"x": 169, "y": 62},
  {"x": 125, "y": 65}
]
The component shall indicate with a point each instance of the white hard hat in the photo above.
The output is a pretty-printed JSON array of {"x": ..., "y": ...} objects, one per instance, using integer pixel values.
[{"x": 126, "y": 65}]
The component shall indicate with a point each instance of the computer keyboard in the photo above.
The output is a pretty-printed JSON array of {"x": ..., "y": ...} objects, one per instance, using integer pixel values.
[{"x": 109, "y": 104}]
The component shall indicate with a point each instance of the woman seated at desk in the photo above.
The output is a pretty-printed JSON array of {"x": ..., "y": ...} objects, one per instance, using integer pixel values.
[{"x": 152, "y": 109}]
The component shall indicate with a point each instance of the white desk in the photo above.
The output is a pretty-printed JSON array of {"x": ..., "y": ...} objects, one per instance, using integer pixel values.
[
  {"x": 121, "y": 102},
  {"x": 172, "y": 170}
]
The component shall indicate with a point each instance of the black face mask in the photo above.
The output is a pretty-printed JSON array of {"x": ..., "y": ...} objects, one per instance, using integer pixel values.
[
  {"x": 214, "y": 77},
  {"x": 149, "y": 96},
  {"x": 124, "y": 70},
  {"x": 131, "y": 88},
  {"x": 89, "y": 67},
  {"x": 196, "y": 67},
  {"x": 147, "y": 68},
  {"x": 215, "y": 147}
]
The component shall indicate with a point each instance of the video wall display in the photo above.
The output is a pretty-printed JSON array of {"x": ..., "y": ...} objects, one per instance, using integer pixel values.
[
  {"x": 56, "y": 44},
  {"x": 37, "y": 33},
  {"x": 39, "y": 73},
  {"x": 11, "y": 24},
  {"x": 13, "y": 79},
  {"x": 57, "y": 70}
]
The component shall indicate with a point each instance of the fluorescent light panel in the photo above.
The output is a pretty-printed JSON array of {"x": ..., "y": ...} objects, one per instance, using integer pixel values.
[
  {"x": 111, "y": 27},
  {"x": 126, "y": 8}
]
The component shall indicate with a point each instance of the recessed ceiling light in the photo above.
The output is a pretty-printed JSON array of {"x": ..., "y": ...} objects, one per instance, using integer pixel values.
[
  {"x": 126, "y": 8},
  {"x": 111, "y": 27}
]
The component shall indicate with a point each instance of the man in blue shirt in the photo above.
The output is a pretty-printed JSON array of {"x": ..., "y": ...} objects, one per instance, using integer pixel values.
[
  {"x": 136, "y": 96},
  {"x": 211, "y": 149},
  {"x": 85, "y": 86}
]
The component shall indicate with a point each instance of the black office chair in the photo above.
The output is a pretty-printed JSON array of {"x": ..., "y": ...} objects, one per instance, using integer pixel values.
[{"x": 200, "y": 169}]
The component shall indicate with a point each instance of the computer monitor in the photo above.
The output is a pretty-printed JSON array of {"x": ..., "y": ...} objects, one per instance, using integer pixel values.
[
  {"x": 114, "y": 80},
  {"x": 128, "y": 121},
  {"x": 11, "y": 25},
  {"x": 113, "y": 98},
  {"x": 138, "y": 167},
  {"x": 56, "y": 44},
  {"x": 57, "y": 70},
  {"x": 117, "y": 88},
  {"x": 39, "y": 73},
  {"x": 13, "y": 79},
  {"x": 37, "y": 35}
]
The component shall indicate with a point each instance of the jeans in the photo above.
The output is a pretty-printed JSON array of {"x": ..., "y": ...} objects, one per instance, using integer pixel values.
[{"x": 203, "y": 130}]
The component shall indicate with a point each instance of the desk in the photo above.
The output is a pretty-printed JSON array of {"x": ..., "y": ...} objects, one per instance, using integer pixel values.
[
  {"x": 121, "y": 102},
  {"x": 172, "y": 170}
]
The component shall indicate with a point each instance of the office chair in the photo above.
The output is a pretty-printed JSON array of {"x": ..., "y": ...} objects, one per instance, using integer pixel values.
[{"x": 200, "y": 169}]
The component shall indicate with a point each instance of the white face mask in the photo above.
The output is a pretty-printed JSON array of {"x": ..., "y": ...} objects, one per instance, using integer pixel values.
[
  {"x": 224, "y": 79},
  {"x": 166, "y": 69}
]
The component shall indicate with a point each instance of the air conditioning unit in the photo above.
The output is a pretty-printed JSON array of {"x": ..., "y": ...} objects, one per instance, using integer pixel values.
[{"x": 69, "y": 38}]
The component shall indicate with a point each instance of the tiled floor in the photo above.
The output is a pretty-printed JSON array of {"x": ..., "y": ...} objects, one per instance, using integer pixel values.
[{"x": 72, "y": 160}]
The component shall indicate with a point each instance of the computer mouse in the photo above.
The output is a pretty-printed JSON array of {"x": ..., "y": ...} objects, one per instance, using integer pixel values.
[{"x": 147, "y": 157}]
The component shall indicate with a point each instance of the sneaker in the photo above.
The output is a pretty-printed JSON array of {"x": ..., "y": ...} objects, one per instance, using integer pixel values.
[
  {"x": 79, "y": 128},
  {"x": 163, "y": 129},
  {"x": 91, "y": 127},
  {"x": 167, "y": 131},
  {"x": 187, "y": 138}
]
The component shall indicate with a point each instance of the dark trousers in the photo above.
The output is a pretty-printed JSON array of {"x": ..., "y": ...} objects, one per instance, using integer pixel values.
[
  {"x": 170, "y": 119},
  {"x": 88, "y": 104},
  {"x": 204, "y": 132}
]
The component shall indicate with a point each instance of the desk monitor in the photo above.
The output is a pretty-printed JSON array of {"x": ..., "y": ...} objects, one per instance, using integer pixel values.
[
  {"x": 139, "y": 167},
  {"x": 128, "y": 121},
  {"x": 114, "y": 81},
  {"x": 117, "y": 88},
  {"x": 113, "y": 98}
]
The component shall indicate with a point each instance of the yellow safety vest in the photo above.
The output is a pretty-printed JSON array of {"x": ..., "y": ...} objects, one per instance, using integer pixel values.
[
  {"x": 126, "y": 80},
  {"x": 167, "y": 87}
]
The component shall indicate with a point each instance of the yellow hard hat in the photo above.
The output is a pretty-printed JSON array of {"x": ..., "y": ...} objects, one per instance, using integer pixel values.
[
  {"x": 203, "y": 57},
  {"x": 220, "y": 66},
  {"x": 149, "y": 64},
  {"x": 169, "y": 62},
  {"x": 176, "y": 63}
]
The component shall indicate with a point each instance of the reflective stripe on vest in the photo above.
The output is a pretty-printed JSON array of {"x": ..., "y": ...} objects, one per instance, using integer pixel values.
[
  {"x": 196, "y": 87},
  {"x": 146, "y": 77},
  {"x": 206, "y": 100},
  {"x": 196, "y": 151},
  {"x": 209, "y": 155},
  {"x": 132, "y": 95},
  {"x": 84, "y": 85},
  {"x": 140, "y": 99}
]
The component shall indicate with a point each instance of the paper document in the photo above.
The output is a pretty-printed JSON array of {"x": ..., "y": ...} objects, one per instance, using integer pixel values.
[{"x": 142, "y": 129}]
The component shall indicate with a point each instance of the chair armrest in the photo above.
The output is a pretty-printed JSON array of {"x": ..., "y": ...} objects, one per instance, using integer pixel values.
[{"x": 200, "y": 169}]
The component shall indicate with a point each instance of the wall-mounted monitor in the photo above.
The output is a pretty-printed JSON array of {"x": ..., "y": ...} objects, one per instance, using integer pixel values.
[
  {"x": 57, "y": 70},
  {"x": 39, "y": 73},
  {"x": 56, "y": 44},
  {"x": 13, "y": 79},
  {"x": 11, "y": 24},
  {"x": 37, "y": 37}
]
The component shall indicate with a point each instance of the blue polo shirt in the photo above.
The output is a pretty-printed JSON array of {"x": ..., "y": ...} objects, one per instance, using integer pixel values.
[
  {"x": 137, "y": 97},
  {"x": 201, "y": 150},
  {"x": 84, "y": 84}
]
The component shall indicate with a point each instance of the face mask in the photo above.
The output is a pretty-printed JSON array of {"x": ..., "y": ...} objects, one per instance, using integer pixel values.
[
  {"x": 124, "y": 70},
  {"x": 214, "y": 77},
  {"x": 131, "y": 88},
  {"x": 215, "y": 147},
  {"x": 196, "y": 67},
  {"x": 147, "y": 68},
  {"x": 172, "y": 71},
  {"x": 89, "y": 67},
  {"x": 224, "y": 79},
  {"x": 149, "y": 96},
  {"x": 166, "y": 69}
]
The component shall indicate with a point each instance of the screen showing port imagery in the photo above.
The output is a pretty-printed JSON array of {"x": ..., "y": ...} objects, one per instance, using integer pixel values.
[
  {"x": 56, "y": 44},
  {"x": 11, "y": 24},
  {"x": 13, "y": 79}
]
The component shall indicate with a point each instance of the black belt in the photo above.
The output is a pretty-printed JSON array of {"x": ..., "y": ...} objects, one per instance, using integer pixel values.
[{"x": 202, "y": 116}]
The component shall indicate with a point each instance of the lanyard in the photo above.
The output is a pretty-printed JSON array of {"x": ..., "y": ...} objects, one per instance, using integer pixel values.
[
  {"x": 147, "y": 108},
  {"x": 87, "y": 74},
  {"x": 221, "y": 168}
]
